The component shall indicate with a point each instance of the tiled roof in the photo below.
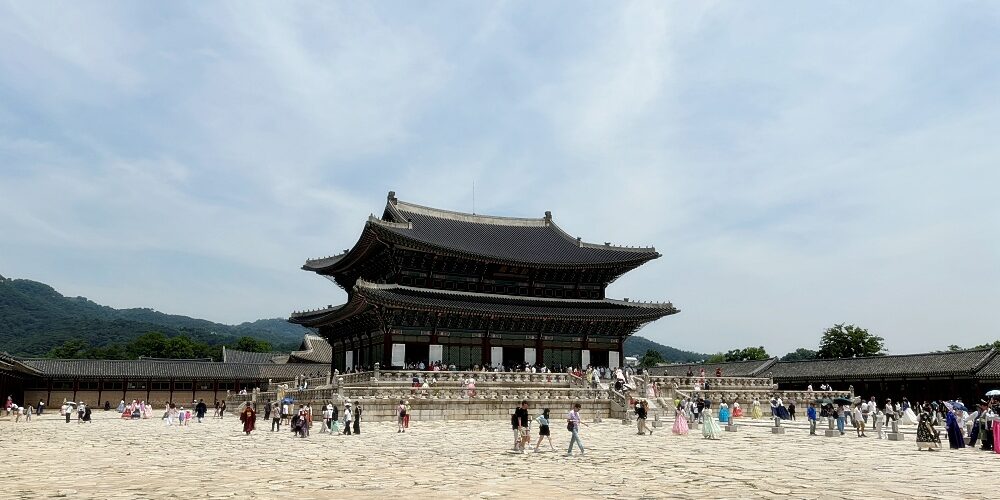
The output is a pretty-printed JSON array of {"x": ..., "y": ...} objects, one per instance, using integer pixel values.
[
  {"x": 730, "y": 369},
  {"x": 178, "y": 370},
  {"x": 504, "y": 239},
  {"x": 906, "y": 365},
  {"x": 492, "y": 304},
  {"x": 315, "y": 349},
  {"x": 990, "y": 370},
  {"x": 236, "y": 356}
]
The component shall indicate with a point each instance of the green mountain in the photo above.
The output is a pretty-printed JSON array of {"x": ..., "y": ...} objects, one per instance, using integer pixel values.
[
  {"x": 34, "y": 318},
  {"x": 637, "y": 346}
]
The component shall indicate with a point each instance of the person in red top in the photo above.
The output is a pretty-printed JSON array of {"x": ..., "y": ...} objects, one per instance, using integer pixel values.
[
  {"x": 249, "y": 419},
  {"x": 718, "y": 372}
]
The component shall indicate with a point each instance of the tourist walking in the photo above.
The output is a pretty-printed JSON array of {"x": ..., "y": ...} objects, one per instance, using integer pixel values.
[
  {"x": 67, "y": 410},
  {"x": 327, "y": 415},
  {"x": 216, "y": 414},
  {"x": 249, "y": 419},
  {"x": 200, "y": 410},
  {"x": 357, "y": 418},
  {"x": 680, "y": 424},
  {"x": 573, "y": 423},
  {"x": 409, "y": 413},
  {"x": 222, "y": 409},
  {"x": 859, "y": 421},
  {"x": 880, "y": 424},
  {"x": 811, "y": 416},
  {"x": 927, "y": 435},
  {"x": 791, "y": 410},
  {"x": 334, "y": 421},
  {"x": 267, "y": 410},
  {"x": 841, "y": 418},
  {"x": 276, "y": 418},
  {"x": 723, "y": 412},
  {"x": 400, "y": 416},
  {"x": 642, "y": 413},
  {"x": 348, "y": 417},
  {"x": 710, "y": 429},
  {"x": 954, "y": 429},
  {"x": 523, "y": 429},
  {"x": 543, "y": 430}
]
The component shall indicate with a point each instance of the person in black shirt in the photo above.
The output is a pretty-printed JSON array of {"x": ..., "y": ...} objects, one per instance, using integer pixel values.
[{"x": 521, "y": 419}]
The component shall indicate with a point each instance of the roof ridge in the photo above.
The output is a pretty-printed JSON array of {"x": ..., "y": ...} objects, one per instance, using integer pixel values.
[
  {"x": 583, "y": 244},
  {"x": 883, "y": 356},
  {"x": 390, "y": 286},
  {"x": 403, "y": 206}
]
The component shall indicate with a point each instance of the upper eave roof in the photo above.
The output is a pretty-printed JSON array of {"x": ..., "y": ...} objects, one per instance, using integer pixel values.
[{"x": 509, "y": 240}]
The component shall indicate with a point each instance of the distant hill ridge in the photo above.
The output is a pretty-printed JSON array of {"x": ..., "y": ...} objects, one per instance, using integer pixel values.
[{"x": 34, "y": 318}]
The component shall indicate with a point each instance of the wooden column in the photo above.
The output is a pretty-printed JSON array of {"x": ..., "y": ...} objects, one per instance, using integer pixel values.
[{"x": 100, "y": 390}]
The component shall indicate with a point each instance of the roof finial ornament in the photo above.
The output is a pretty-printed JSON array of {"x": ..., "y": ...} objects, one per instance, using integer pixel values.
[
  {"x": 392, "y": 197},
  {"x": 548, "y": 217}
]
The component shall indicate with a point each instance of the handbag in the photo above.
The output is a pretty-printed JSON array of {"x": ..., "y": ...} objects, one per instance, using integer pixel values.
[{"x": 569, "y": 426}]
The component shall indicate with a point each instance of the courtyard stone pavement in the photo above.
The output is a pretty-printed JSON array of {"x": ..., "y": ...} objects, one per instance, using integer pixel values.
[{"x": 111, "y": 458}]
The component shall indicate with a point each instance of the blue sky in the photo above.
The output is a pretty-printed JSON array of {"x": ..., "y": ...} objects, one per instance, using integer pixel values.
[{"x": 797, "y": 164}]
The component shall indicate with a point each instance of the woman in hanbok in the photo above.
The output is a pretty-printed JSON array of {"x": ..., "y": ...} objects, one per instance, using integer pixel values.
[
  {"x": 927, "y": 436},
  {"x": 723, "y": 413},
  {"x": 955, "y": 439},
  {"x": 121, "y": 407},
  {"x": 470, "y": 386},
  {"x": 680, "y": 424},
  {"x": 737, "y": 411},
  {"x": 249, "y": 418},
  {"x": 907, "y": 416},
  {"x": 710, "y": 428},
  {"x": 755, "y": 411}
]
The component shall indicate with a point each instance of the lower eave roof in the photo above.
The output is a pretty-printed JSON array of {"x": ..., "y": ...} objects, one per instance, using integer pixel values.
[
  {"x": 165, "y": 370},
  {"x": 729, "y": 369},
  {"x": 951, "y": 363},
  {"x": 487, "y": 304}
]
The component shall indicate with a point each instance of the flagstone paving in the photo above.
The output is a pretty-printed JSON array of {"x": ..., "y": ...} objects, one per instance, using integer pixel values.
[{"x": 110, "y": 458}]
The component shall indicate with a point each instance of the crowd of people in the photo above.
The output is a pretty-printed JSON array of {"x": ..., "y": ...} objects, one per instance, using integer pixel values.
[
  {"x": 300, "y": 420},
  {"x": 520, "y": 423}
]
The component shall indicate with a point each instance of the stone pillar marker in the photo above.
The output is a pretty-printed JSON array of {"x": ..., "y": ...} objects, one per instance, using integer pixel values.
[
  {"x": 777, "y": 429},
  {"x": 830, "y": 431},
  {"x": 895, "y": 435},
  {"x": 656, "y": 421}
]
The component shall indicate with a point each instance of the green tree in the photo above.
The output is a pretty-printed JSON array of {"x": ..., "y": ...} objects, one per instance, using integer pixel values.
[
  {"x": 71, "y": 349},
  {"x": 651, "y": 358},
  {"x": 716, "y": 358},
  {"x": 251, "y": 344},
  {"x": 849, "y": 341},
  {"x": 747, "y": 354},
  {"x": 800, "y": 354},
  {"x": 994, "y": 345},
  {"x": 954, "y": 347}
]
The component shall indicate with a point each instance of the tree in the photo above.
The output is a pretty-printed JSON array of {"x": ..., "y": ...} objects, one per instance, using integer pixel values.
[
  {"x": 651, "y": 358},
  {"x": 250, "y": 344},
  {"x": 994, "y": 345},
  {"x": 954, "y": 347},
  {"x": 800, "y": 354},
  {"x": 716, "y": 358},
  {"x": 71, "y": 349},
  {"x": 747, "y": 354},
  {"x": 849, "y": 341}
]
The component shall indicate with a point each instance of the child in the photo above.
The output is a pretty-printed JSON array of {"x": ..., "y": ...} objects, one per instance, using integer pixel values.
[{"x": 879, "y": 424}]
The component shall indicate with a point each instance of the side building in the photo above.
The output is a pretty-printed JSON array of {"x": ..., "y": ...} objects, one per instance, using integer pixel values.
[{"x": 426, "y": 285}]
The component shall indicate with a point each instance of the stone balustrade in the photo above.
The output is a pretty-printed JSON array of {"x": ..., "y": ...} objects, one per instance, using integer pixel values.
[
  {"x": 507, "y": 378},
  {"x": 485, "y": 393},
  {"x": 735, "y": 383},
  {"x": 745, "y": 397}
]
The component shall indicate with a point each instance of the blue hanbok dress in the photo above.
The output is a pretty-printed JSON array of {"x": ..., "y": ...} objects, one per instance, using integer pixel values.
[{"x": 724, "y": 414}]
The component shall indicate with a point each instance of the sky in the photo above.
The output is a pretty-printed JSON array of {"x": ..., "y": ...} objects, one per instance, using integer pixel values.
[{"x": 798, "y": 164}]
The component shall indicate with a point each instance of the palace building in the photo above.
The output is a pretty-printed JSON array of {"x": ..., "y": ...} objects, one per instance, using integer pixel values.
[{"x": 430, "y": 285}]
